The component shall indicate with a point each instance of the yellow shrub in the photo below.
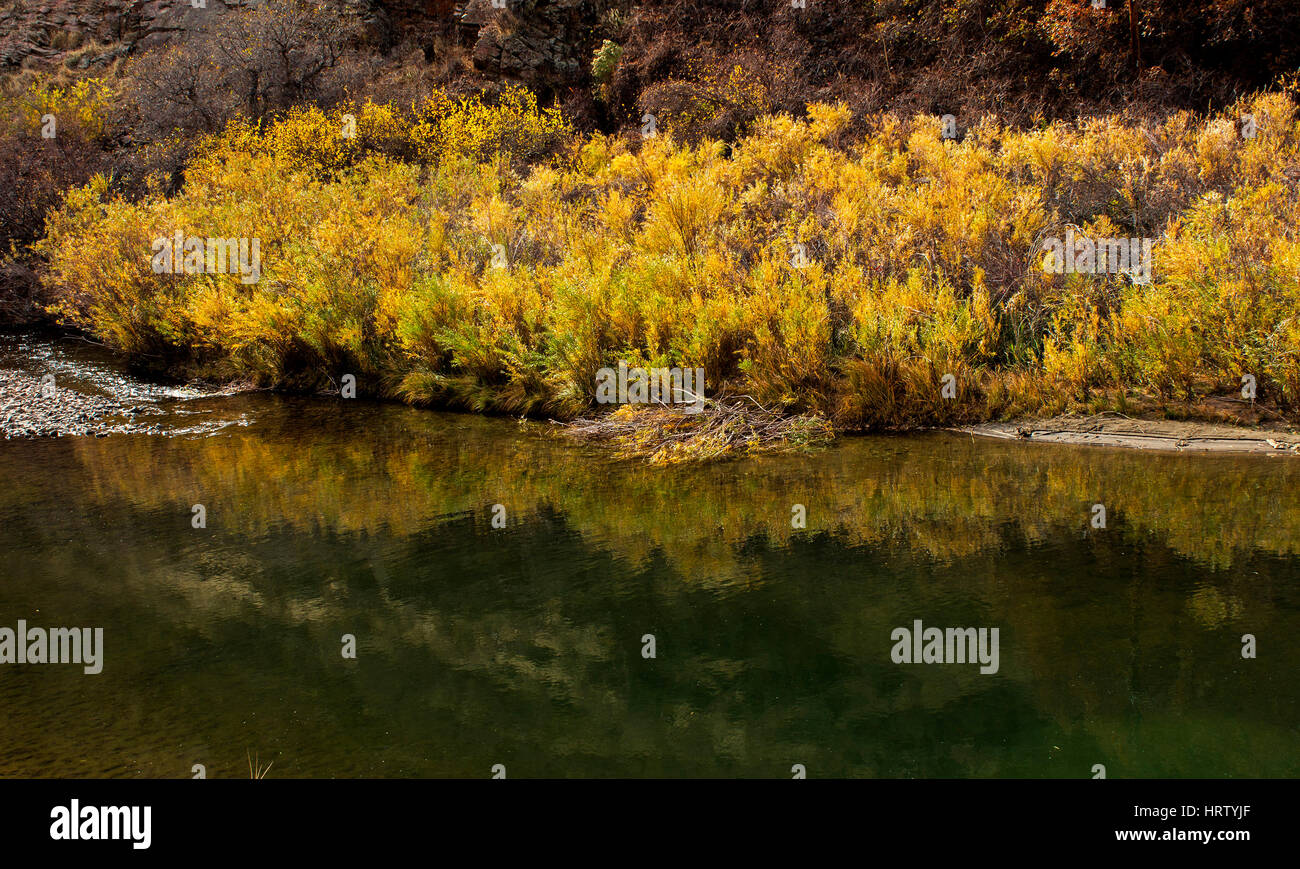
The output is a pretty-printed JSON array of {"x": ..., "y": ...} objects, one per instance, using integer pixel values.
[
  {"x": 84, "y": 106},
  {"x": 806, "y": 273}
]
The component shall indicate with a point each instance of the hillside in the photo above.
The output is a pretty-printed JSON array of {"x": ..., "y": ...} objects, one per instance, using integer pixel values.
[{"x": 482, "y": 207}]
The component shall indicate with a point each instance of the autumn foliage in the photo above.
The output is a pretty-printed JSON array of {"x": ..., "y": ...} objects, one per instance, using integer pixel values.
[{"x": 480, "y": 254}]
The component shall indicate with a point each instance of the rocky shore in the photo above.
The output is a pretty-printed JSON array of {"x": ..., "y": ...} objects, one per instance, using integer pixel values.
[{"x": 32, "y": 407}]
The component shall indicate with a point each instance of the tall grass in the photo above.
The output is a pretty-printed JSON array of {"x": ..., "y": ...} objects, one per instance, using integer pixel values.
[{"x": 382, "y": 258}]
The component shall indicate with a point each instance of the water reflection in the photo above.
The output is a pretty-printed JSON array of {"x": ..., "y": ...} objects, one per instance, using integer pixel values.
[{"x": 522, "y": 645}]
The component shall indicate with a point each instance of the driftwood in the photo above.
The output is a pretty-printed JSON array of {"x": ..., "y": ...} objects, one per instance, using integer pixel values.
[{"x": 666, "y": 434}]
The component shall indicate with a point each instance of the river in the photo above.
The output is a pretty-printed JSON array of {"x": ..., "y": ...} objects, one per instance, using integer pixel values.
[{"x": 527, "y": 645}]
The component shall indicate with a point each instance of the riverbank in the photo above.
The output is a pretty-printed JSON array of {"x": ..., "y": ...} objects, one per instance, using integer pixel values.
[
  {"x": 1165, "y": 435},
  {"x": 34, "y": 407},
  {"x": 92, "y": 396},
  {"x": 823, "y": 275},
  {"x": 56, "y": 385}
]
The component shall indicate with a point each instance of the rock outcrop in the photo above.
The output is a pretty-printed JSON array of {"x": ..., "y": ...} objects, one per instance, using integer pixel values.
[
  {"x": 538, "y": 41},
  {"x": 90, "y": 32}
]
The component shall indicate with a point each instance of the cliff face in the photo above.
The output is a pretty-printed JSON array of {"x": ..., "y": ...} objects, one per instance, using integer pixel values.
[
  {"x": 1032, "y": 57},
  {"x": 536, "y": 40},
  {"x": 54, "y": 30}
]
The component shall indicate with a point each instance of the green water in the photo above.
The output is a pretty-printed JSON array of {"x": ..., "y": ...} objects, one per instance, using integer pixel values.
[{"x": 522, "y": 645}]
